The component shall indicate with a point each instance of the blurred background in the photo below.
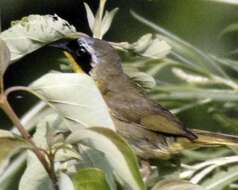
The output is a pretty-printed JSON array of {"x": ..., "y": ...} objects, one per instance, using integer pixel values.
[{"x": 197, "y": 21}]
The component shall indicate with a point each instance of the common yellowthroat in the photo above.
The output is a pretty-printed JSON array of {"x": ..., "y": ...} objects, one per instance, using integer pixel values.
[{"x": 151, "y": 129}]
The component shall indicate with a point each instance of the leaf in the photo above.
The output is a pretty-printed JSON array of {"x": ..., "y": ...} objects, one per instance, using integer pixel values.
[
  {"x": 65, "y": 183},
  {"x": 182, "y": 93},
  {"x": 141, "y": 78},
  {"x": 9, "y": 144},
  {"x": 221, "y": 179},
  {"x": 142, "y": 43},
  {"x": 116, "y": 150},
  {"x": 4, "y": 57},
  {"x": 10, "y": 177},
  {"x": 176, "y": 185},
  {"x": 35, "y": 176},
  {"x": 76, "y": 98},
  {"x": 184, "y": 51},
  {"x": 33, "y": 32},
  {"x": 150, "y": 47},
  {"x": 158, "y": 49},
  {"x": 90, "y": 179},
  {"x": 107, "y": 20},
  {"x": 226, "y": 1},
  {"x": 90, "y": 16},
  {"x": 96, "y": 159}
]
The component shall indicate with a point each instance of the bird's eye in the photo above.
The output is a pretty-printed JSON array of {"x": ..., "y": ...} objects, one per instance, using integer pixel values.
[{"x": 80, "y": 51}]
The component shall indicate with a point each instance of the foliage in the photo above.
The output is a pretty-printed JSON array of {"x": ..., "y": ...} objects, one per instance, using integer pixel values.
[{"x": 75, "y": 145}]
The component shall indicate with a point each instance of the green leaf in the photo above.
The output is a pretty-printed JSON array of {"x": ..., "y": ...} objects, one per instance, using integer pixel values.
[
  {"x": 91, "y": 158},
  {"x": 117, "y": 152},
  {"x": 76, "y": 98},
  {"x": 176, "y": 185},
  {"x": 33, "y": 32},
  {"x": 90, "y": 179},
  {"x": 4, "y": 57},
  {"x": 221, "y": 179},
  {"x": 9, "y": 144}
]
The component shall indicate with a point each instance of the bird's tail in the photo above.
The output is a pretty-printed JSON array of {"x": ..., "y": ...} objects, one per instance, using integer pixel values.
[{"x": 212, "y": 138}]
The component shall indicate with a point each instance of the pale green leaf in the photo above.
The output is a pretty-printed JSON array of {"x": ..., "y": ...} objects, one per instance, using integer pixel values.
[
  {"x": 90, "y": 179},
  {"x": 35, "y": 176},
  {"x": 76, "y": 98},
  {"x": 107, "y": 21},
  {"x": 4, "y": 57},
  {"x": 176, "y": 185},
  {"x": 142, "y": 43},
  {"x": 117, "y": 152},
  {"x": 90, "y": 16},
  {"x": 158, "y": 49},
  {"x": 221, "y": 179},
  {"x": 141, "y": 78},
  {"x": 32, "y": 32},
  {"x": 173, "y": 92},
  {"x": 65, "y": 183}
]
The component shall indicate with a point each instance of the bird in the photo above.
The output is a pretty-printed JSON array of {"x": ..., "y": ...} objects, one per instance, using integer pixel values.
[{"x": 151, "y": 130}]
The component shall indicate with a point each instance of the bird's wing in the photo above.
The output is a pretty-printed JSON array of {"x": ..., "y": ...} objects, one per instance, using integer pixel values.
[{"x": 165, "y": 123}]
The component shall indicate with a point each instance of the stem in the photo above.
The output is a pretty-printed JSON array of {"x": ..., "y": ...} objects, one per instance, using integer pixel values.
[{"x": 6, "y": 107}]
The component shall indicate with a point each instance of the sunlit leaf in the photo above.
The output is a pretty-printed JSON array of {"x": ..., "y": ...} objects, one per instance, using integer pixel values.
[
  {"x": 117, "y": 152},
  {"x": 90, "y": 16},
  {"x": 76, "y": 98},
  {"x": 33, "y": 32},
  {"x": 90, "y": 179}
]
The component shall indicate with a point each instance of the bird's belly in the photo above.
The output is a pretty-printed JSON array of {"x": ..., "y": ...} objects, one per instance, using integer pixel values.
[{"x": 147, "y": 144}]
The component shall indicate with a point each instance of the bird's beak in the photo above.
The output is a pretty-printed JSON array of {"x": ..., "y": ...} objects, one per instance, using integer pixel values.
[{"x": 62, "y": 45}]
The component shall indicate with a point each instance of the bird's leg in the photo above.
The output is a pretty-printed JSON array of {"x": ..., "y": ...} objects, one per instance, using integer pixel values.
[{"x": 145, "y": 169}]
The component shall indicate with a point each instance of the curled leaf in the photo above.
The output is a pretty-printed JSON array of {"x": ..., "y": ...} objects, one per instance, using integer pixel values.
[{"x": 32, "y": 32}]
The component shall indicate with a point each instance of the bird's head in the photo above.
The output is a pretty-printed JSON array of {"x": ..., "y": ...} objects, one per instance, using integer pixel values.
[{"x": 90, "y": 55}]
